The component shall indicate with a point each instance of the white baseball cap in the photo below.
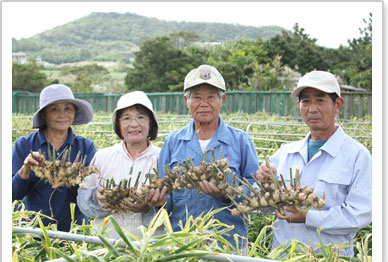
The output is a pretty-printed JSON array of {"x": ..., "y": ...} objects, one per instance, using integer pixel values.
[
  {"x": 320, "y": 80},
  {"x": 204, "y": 74}
]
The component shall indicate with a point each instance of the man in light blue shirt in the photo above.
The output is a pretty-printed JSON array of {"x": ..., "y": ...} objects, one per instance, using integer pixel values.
[
  {"x": 331, "y": 162},
  {"x": 204, "y": 90}
]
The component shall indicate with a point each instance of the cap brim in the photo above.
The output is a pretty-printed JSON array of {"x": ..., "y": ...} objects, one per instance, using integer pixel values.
[
  {"x": 296, "y": 91},
  {"x": 201, "y": 82},
  {"x": 83, "y": 115}
]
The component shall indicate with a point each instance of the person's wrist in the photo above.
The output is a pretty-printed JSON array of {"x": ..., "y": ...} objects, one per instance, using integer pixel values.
[
  {"x": 159, "y": 205},
  {"x": 24, "y": 173},
  {"x": 146, "y": 209}
]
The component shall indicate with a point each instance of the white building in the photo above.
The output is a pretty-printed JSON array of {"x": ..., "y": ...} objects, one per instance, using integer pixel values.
[{"x": 20, "y": 58}]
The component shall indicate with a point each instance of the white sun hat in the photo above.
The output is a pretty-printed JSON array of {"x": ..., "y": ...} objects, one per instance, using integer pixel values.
[{"x": 130, "y": 99}]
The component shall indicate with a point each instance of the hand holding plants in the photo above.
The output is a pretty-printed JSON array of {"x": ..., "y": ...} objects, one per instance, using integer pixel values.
[
  {"x": 157, "y": 198},
  {"x": 210, "y": 189},
  {"x": 263, "y": 174},
  {"x": 99, "y": 195},
  {"x": 137, "y": 206},
  {"x": 292, "y": 215},
  {"x": 33, "y": 159}
]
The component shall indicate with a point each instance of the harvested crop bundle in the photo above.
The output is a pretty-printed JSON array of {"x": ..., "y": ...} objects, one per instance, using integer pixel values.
[
  {"x": 116, "y": 194},
  {"x": 63, "y": 172},
  {"x": 171, "y": 180},
  {"x": 276, "y": 194},
  {"x": 215, "y": 172},
  {"x": 187, "y": 176}
]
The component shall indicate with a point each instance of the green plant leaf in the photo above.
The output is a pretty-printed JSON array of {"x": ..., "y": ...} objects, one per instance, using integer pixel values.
[
  {"x": 63, "y": 255},
  {"x": 92, "y": 257},
  {"x": 258, "y": 240},
  {"x": 47, "y": 242},
  {"x": 321, "y": 246},
  {"x": 182, "y": 255},
  {"x": 188, "y": 246},
  {"x": 113, "y": 250},
  {"x": 123, "y": 236}
]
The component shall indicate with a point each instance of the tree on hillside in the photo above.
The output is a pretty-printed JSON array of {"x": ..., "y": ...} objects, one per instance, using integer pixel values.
[
  {"x": 237, "y": 61},
  {"x": 160, "y": 66},
  {"x": 355, "y": 62},
  {"x": 84, "y": 77},
  {"x": 183, "y": 39},
  {"x": 297, "y": 50},
  {"x": 28, "y": 77},
  {"x": 246, "y": 65}
]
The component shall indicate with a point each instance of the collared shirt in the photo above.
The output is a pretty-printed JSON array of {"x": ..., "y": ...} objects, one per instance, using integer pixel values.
[
  {"x": 36, "y": 193},
  {"x": 138, "y": 154},
  {"x": 114, "y": 162},
  {"x": 236, "y": 145},
  {"x": 342, "y": 170}
]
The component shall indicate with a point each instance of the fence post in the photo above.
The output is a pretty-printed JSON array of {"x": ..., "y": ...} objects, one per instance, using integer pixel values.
[{"x": 14, "y": 98}]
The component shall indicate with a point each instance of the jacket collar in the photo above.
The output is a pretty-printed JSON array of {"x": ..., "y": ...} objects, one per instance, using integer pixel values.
[
  {"x": 332, "y": 146},
  {"x": 42, "y": 138},
  {"x": 221, "y": 135},
  {"x": 150, "y": 150},
  {"x": 334, "y": 143}
]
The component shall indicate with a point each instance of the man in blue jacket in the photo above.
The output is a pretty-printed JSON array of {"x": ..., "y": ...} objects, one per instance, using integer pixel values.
[
  {"x": 335, "y": 165},
  {"x": 204, "y": 93}
]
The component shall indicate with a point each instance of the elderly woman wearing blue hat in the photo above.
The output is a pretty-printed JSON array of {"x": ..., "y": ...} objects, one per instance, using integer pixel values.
[
  {"x": 58, "y": 111},
  {"x": 134, "y": 122}
]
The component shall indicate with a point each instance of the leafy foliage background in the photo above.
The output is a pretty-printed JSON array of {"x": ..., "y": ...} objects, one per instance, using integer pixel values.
[{"x": 154, "y": 55}]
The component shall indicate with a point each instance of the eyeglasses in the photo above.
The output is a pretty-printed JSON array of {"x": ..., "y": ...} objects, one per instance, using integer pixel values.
[{"x": 140, "y": 119}]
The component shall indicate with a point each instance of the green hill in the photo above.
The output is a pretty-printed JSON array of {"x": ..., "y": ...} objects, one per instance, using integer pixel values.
[{"x": 115, "y": 36}]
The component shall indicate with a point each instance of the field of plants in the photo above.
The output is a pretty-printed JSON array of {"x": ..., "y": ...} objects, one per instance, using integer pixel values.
[{"x": 200, "y": 237}]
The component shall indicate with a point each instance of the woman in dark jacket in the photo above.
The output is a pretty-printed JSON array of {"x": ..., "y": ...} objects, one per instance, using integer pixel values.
[{"x": 58, "y": 111}]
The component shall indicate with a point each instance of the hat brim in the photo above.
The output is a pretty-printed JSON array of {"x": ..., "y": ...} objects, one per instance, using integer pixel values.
[
  {"x": 83, "y": 114},
  {"x": 201, "y": 82},
  {"x": 296, "y": 92}
]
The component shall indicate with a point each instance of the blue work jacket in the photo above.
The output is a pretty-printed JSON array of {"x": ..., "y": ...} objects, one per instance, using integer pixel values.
[
  {"x": 36, "y": 193},
  {"x": 237, "y": 147}
]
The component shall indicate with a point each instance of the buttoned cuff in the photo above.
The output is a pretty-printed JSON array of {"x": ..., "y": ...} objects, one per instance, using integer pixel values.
[{"x": 22, "y": 184}]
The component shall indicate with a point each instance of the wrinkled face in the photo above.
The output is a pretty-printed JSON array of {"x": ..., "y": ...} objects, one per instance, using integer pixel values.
[
  {"x": 204, "y": 103},
  {"x": 318, "y": 109},
  {"x": 134, "y": 125},
  {"x": 59, "y": 116}
]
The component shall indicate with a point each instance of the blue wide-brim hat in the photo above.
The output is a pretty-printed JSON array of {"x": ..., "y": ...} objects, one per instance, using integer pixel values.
[{"x": 61, "y": 93}]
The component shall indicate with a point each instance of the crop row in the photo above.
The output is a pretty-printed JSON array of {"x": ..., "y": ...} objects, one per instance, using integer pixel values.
[{"x": 268, "y": 132}]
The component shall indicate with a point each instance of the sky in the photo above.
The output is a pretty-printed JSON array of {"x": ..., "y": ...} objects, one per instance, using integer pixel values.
[{"x": 330, "y": 23}]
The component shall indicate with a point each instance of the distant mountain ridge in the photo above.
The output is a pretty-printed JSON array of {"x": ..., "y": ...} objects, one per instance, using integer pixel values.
[{"x": 115, "y": 36}]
